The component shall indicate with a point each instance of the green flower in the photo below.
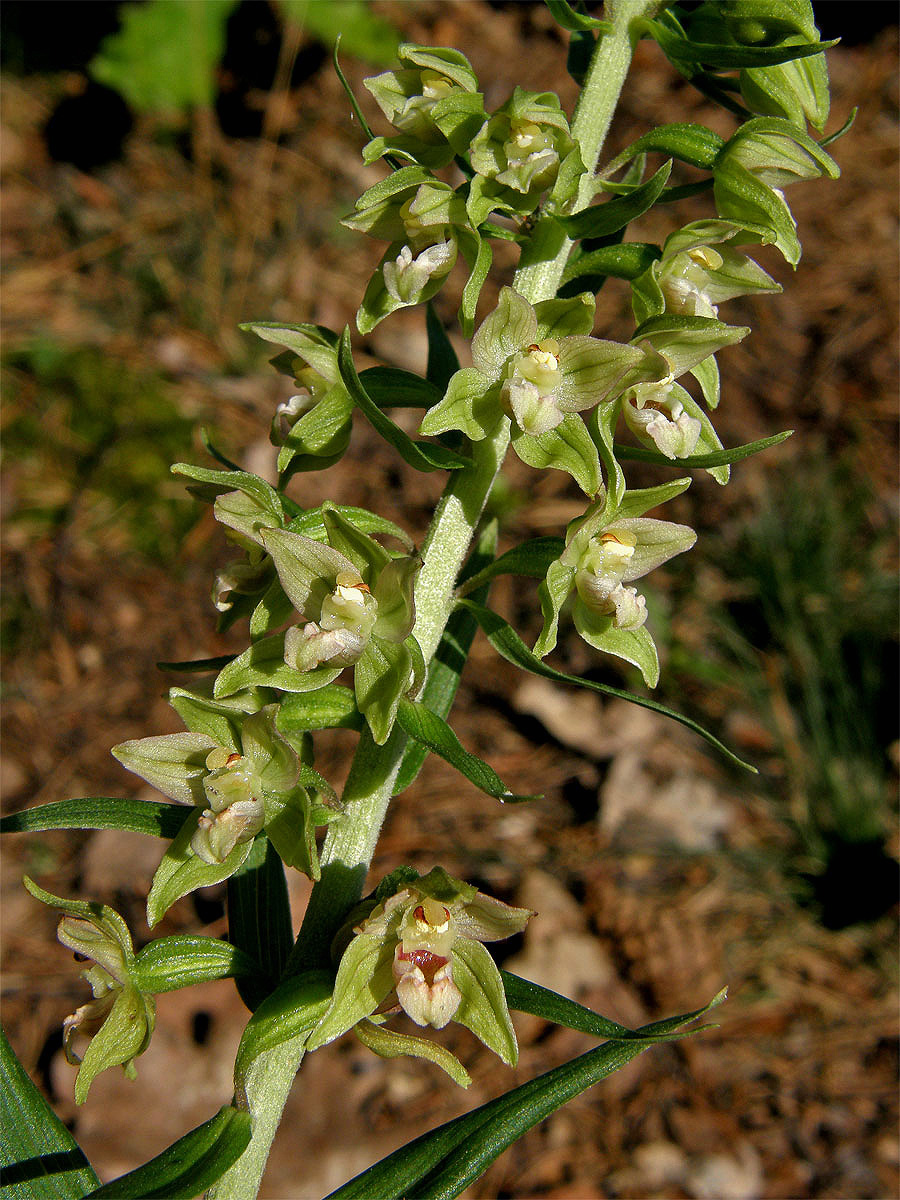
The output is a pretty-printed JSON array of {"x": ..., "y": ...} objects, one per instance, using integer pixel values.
[
  {"x": 242, "y": 777},
  {"x": 427, "y": 224},
  {"x": 420, "y": 938},
  {"x": 520, "y": 150},
  {"x": 700, "y": 269},
  {"x": 433, "y": 93},
  {"x": 537, "y": 366},
  {"x": 120, "y": 1016},
  {"x": 311, "y": 428},
  {"x": 357, "y": 603},
  {"x": 607, "y": 549}
]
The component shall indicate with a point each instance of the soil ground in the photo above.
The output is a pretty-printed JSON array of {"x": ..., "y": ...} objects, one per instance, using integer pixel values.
[{"x": 658, "y": 874}]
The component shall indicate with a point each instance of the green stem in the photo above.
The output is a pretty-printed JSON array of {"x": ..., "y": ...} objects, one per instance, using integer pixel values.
[{"x": 350, "y": 843}]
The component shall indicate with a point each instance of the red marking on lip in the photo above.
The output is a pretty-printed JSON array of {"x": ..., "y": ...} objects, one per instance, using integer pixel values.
[{"x": 427, "y": 961}]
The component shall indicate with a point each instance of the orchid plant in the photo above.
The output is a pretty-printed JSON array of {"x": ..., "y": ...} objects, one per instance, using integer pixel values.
[{"x": 347, "y": 619}]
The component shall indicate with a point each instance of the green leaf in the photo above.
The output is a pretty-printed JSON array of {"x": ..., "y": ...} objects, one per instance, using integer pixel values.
[
  {"x": 422, "y": 455},
  {"x": 259, "y": 919},
  {"x": 197, "y": 666},
  {"x": 446, "y": 666},
  {"x": 389, "y": 387},
  {"x": 524, "y": 996},
  {"x": 189, "y": 1166},
  {"x": 311, "y": 523},
  {"x": 262, "y": 664},
  {"x": 39, "y": 1157},
  {"x": 434, "y": 733},
  {"x": 566, "y": 16},
  {"x": 479, "y": 264},
  {"x": 387, "y": 1043},
  {"x": 442, "y": 360},
  {"x": 164, "y": 56},
  {"x": 682, "y": 50},
  {"x": 441, "y": 1164},
  {"x": 257, "y": 489},
  {"x": 693, "y": 144},
  {"x": 626, "y": 260},
  {"x": 181, "y": 871},
  {"x": 185, "y": 959},
  {"x": 100, "y": 812},
  {"x": 603, "y": 220},
  {"x": 291, "y": 1011},
  {"x": 531, "y": 558},
  {"x": 718, "y": 458},
  {"x": 330, "y": 707},
  {"x": 510, "y": 646}
]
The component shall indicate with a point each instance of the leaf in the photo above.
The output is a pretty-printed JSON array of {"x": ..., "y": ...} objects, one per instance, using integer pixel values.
[
  {"x": 100, "y": 812},
  {"x": 330, "y": 707},
  {"x": 625, "y": 260},
  {"x": 442, "y": 360},
  {"x": 185, "y": 959},
  {"x": 682, "y": 50},
  {"x": 446, "y": 666},
  {"x": 424, "y": 456},
  {"x": 40, "y": 1159},
  {"x": 440, "y": 1164},
  {"x": 531, "y": 558},
  {"x": 290, "y": 1011},
  {"x": 390, "y": 387},
  {"x": 569, "y": 447},
  {"x": 524, "y": 996},
  {"x": 566, "y": 16},
  {"x": 189, "y": 1166},
  {"x": 164, "y": 56},
  {"x": 381, "y": 678},
  {"x": 434, "y": 733},
  {"x": 690, "y": 143},
  {"x": 603, "y": 220},
  {"x": 510, "y": 646},
  {"x": 259, "y": 919},
  {"x": 718, "y": 458},
  {"x": 257, "y": 489}
]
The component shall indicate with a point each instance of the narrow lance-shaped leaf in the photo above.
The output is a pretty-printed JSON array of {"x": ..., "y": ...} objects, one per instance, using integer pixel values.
[
  {"x": 602, "y": 220},
  {"x": 259, "y": 919},
  {"x": 189, "y": 1166},
  {"x": 185, "y": 959},
  {"x": 424, "y": 456},
  {"x": 440, "y": 1164},
  {"x": 718, "y": 458},
  {"x": 100, "y": 812},
  {"x": 510, "y": 646},
  {"x": 40, "y": 1158},
  {"x": 434, "y": 733}
]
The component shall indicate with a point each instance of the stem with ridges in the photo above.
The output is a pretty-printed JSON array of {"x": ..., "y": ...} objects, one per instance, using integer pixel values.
[{"x": 350, "y": 843}]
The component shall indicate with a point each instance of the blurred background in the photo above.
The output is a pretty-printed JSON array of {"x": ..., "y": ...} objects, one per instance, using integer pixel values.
[{"x": 161, "y": 187}]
